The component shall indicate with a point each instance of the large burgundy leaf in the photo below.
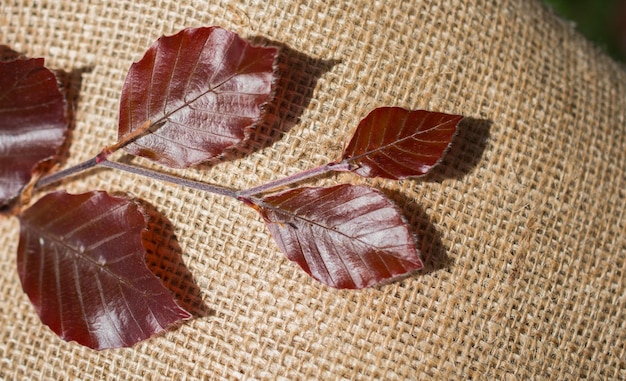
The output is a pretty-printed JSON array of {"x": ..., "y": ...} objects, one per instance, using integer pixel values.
[
  {"x": 33, "y": 122},
  {"x": 81, "y": 262},
  {"x": 199, "y": 91},
  {"x": 345, "y": 236},
  {"x": 396, "y": 143}
]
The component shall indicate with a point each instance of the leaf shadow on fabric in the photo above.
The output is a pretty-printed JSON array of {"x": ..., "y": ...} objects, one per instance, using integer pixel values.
[
  {"x": 164, "y": 259},
  {"x": 428, "y": 238},
  {"x": 70, "y": 83},
  {"x": 8, "y": 54},
  {"x": 297, "y": 76},
  {"x": 465, "y": 152}
]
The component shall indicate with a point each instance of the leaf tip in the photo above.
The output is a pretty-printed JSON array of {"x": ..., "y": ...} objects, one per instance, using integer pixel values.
[
  {"x": 207, "y": 102},
  {"x": 398, "y": 143}
]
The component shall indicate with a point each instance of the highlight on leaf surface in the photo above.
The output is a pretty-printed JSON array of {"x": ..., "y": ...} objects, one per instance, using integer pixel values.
[
  {"x": 201, "y": 90},
  {"x": 344, "y": 236},
  {"x": 396, "y": 143},
  {"x": 81, "y": 262},
  {"x": 33, "y": 122}
]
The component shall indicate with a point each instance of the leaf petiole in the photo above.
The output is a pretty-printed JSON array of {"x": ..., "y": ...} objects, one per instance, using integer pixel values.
[
  {"x": 300, "y": 176},
  {"x": 146, "y": 128}
]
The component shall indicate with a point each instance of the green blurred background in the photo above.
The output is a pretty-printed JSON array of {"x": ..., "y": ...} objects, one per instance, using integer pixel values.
[{"x": 602, "y": 21}]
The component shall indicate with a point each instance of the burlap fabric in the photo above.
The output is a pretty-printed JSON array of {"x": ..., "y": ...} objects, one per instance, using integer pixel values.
[{"x": 522, "y": 226}]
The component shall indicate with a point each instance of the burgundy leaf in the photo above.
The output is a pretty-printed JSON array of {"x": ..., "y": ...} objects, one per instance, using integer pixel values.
[
  {"x": 81, "y": 262},
  {"x": 199, "y": 92},
  {"x": 33, "y": 122},
  {"x": 344, "y": 236},
  {"x": 396, "y": 143}
]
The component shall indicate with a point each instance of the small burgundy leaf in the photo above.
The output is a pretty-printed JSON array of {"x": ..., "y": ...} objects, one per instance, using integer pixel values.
[
  {"x": 344, "y": 236},
  {"x": 396, "y": 143},
  {"x": 33, "y": 122},
  {"x": 81, "y": 262},
  {"x": 199, "y": 91}
]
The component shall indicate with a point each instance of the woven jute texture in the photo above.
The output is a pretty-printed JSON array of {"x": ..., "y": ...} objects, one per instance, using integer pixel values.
[{"x": 522, "y": 226}]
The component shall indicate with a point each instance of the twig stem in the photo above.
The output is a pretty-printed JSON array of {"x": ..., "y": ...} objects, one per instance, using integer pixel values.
[
  {"x": 71, "y": 171},
  {"x": 211, "y": 188},
  {"x": 102, "y": 160},
  {"x": 298, "y": 177}
]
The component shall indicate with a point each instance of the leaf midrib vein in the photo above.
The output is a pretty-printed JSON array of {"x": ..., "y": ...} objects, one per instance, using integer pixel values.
[
  {"x": 396, "y": 142},
  {"x": 311, "y": 222},
  {"x": 77, "y": 254},
  {"x": 211, "y": 89}
]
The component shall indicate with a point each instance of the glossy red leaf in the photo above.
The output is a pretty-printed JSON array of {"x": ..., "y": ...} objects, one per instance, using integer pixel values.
[
  {"x": 81, "y": 262},
  {"x": 344, "y": 236},
  {"x": 396, "y": 143},
  {"x": 199, "y": 91},
  {"x": 33, "y": 122}
]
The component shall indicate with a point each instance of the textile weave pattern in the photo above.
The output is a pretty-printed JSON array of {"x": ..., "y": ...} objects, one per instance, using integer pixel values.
[{"x": 522, "y": 226}]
